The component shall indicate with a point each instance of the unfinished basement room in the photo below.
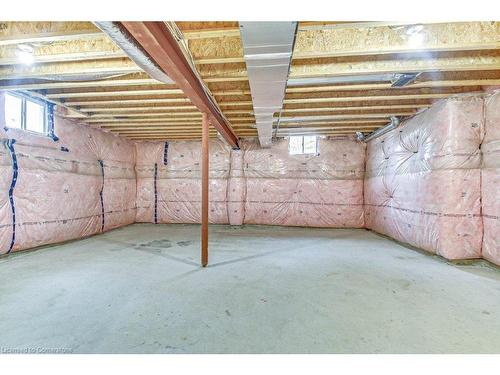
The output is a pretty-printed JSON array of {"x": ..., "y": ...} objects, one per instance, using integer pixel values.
[{"x": 236, "y": 187}]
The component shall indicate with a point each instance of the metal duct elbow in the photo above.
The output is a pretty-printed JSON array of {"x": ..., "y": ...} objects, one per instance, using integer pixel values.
[
  {"x": 133, "y": 50},
  {"x": 377, "y": 133}
]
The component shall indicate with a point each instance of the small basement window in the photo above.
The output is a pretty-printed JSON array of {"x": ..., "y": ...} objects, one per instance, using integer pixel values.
[
  {"x": 22, "y": 112},
  {"x": 303, "y": 144}
]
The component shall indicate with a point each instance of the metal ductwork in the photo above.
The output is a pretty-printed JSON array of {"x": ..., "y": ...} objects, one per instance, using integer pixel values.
[
  {"x": 267, "y": 48},
  {"x": 377, "y": 133},
  {"x": 133, "y": 50}
]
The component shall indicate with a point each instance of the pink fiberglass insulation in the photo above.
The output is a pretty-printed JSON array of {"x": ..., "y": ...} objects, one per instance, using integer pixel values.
[
  {"x": 422, "y": 183},
  {"x": 491, "y": 180},
  {"x": 323, "y": 190},
  {"x": 168, "y": 182},
  {"x": 61, "y": 189},
  {"x": 252, "y": 185}
]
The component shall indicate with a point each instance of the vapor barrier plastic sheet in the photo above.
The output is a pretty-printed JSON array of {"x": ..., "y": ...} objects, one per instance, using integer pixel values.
[
  {"x": 61, "y": 191},
  {"x": 253, "y": 185},
  {"x": 490, "y": 184},
  {"x": 422, "y": 182}
]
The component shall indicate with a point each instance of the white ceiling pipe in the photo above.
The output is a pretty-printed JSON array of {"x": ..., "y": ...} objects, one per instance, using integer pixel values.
[
  {"x": 377, "y": 133},
  {"x": 293, "y": 82}
]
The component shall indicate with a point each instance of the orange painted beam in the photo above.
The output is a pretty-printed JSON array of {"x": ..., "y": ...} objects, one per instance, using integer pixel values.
[{"x": 204, "y": 190}]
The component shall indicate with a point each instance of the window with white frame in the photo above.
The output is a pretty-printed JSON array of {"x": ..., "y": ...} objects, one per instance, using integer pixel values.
[
  {"x": 22, "y": 112},
  {"x": 303, "y": 144}
]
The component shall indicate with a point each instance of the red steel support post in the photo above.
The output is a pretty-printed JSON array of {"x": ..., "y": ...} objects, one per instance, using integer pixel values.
[{"x": 204, "y": 190}]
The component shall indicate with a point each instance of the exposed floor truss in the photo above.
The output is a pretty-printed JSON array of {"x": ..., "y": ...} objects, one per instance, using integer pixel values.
[{"x": 340, "y": 79}]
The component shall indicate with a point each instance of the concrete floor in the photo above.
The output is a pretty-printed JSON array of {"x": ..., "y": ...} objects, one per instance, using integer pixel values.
[{"x": 139, "y": 289}]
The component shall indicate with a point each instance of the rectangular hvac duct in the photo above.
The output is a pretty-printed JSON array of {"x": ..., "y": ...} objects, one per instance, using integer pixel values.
[{"x": 267, "y": 48}]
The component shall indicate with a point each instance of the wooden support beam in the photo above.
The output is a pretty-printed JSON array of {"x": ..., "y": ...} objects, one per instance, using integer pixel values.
[
  {"x": 215, "y": 78},
  {"x": 16, "y": 85},
  {"x": 169, "y": 122},
  {"x": 139, "y": 92},
  {"x": 118, "y": 101},
  {"x": 377, "y": 64},
  {"x": 165, "y": 138},
  {"x": 147, "y": 128},
  {"x": 156, "y": 120},
  {"x": 348, "y": 99},
  {"x": 383, "y": 86},
  {"x": 100, "y": 47},
  {"x": 212, "y": 33},
  {"x": 38, "y": 32},
  {"x": 448, "y": 62},
  {"x": 144, "y": 115},
  {"x": 319, "y": 118},
  {"x": 146, "y": 110},
  {"x": 160, "y": 131},
  {"x": 70, "y": 68},
  {"x": 161, "y": 45},
  {"x": 144, "y": 125},
  {"x": 395, "y": 107},
  {"x": 204, "y": 190},
  {"x": 119, "y": 93}
]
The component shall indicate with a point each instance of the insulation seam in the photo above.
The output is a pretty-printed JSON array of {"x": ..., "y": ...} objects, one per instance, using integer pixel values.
[
  {"x": 265, "y": 202},
  {"x": 64, "y": 221},
  {"x": 156, "y": 194},
  {"x": 422, "y": 212}
]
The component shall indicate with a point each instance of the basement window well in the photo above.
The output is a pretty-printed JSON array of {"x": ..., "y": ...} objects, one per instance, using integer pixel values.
[
  {"x": 304, "y": 144},
  {"x": 25, "y": 113}
]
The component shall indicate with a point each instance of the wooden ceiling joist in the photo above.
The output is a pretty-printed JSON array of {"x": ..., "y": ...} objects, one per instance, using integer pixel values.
[
  {"x": 17, "y": 85},
  {"x": 128, "y": 101},
  {"x": 120, "y": 93},
  {"x": 41, "y": 32},
  {"x": 70, "y": 68},
  {"x": 384, "y": 86},
  {"x": 100, "y": 47},
  {"x": 467, "y": 61}
]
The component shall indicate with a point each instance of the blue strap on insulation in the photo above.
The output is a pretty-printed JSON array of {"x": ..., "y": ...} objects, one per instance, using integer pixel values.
[
  {"x": 165, "y": 154},
  {"x": 15, "y": 169},
  {"x": 50, "y": 122},
  {"x": 156, "y": 193},
  {"x": 101, "y": 163}
]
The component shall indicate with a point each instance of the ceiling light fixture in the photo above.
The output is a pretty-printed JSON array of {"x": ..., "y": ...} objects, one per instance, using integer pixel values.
[
  {"x": 25, "y": 54},
  {"x": 415, "y": 35}
]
